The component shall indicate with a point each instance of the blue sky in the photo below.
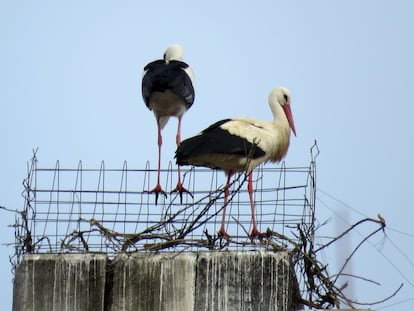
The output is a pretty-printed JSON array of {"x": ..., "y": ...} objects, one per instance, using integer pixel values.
[{"x": 70, "y": 75}]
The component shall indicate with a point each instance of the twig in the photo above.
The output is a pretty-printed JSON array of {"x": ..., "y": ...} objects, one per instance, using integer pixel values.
[
  {"x": 379, "y": 301},
  {"x": 354, "y": 251},
  {"x": 356, "y": 277},
  {"x": 380, "y": 221},
  {"x": 9, "y": 210}
]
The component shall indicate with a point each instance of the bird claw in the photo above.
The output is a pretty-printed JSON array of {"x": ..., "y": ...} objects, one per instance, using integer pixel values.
[
  {"x": 180, "y": 189},
  {"x": 157, "y": 190},
  {"x": 223, "y": 234},
  {"x": 257, "y": 234}
]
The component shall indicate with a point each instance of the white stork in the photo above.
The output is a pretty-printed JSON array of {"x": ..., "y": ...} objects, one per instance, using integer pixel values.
[
  {"x": 168, "y": 90},
  {"x": 241, "y": 144}
]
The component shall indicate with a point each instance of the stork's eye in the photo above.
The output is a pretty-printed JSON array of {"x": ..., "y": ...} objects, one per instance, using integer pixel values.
[{"x": 285, "y": 97}]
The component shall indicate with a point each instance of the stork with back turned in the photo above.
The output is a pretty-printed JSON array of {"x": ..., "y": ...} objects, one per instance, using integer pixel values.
[
  {"x": 168, "y": 90},
  {"x": 241, "y": 144}
]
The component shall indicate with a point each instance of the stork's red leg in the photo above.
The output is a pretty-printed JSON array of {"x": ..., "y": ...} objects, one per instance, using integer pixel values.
[
  {"x": 222, "y": 232},
  {"x": 157, "y": 189},
  {"x": 255, "y": 232},
  {"x": 178, "y": 136},
  {"x": 180, "y": 188}
]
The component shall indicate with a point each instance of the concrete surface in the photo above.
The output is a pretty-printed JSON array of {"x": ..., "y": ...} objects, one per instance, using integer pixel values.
[
  {"x": 60, "y": 282},
  {"x": 170, "y": 281}
]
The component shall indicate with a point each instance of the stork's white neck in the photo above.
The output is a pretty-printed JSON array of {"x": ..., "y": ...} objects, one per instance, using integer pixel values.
[{"x": 279, "y": 116}]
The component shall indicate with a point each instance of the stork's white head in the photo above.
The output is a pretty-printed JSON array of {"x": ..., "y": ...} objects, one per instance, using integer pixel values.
[
  {"x": 174, "y": 52},
  {"x": 281, "y": 96}
]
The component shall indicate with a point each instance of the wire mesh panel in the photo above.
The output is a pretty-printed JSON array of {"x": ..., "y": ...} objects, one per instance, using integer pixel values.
[{"x": 110, "y": 209}]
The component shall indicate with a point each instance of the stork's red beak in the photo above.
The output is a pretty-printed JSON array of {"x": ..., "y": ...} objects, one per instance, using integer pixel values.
[{"x": 288, "y": 112}]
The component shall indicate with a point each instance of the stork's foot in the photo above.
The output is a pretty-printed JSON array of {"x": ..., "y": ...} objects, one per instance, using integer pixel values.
[
  {"x": 157, "y": 190},
  {"x": 180, "y": 189},
  {"x": 257, "y": 234},
  {"x": 223, "y": 234}
]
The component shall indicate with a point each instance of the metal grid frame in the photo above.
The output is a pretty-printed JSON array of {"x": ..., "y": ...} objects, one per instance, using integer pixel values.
[{"x": 106, "y": 210}]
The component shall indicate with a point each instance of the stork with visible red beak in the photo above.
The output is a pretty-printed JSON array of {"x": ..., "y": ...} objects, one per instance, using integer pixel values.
[
  {"x": 241, "y": 144},
  {"x": 168, "y": 90}
]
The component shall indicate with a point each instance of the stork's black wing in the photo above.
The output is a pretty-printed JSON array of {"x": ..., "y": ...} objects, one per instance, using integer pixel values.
[
  {"x": 160, "y": 76},
  {"x": 215, "y": 140}
]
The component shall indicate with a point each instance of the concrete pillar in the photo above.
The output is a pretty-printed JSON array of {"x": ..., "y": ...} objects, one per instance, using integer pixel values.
[
  {"x": 170, "y": 281},
  {"x": 69, "y": 282}
]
